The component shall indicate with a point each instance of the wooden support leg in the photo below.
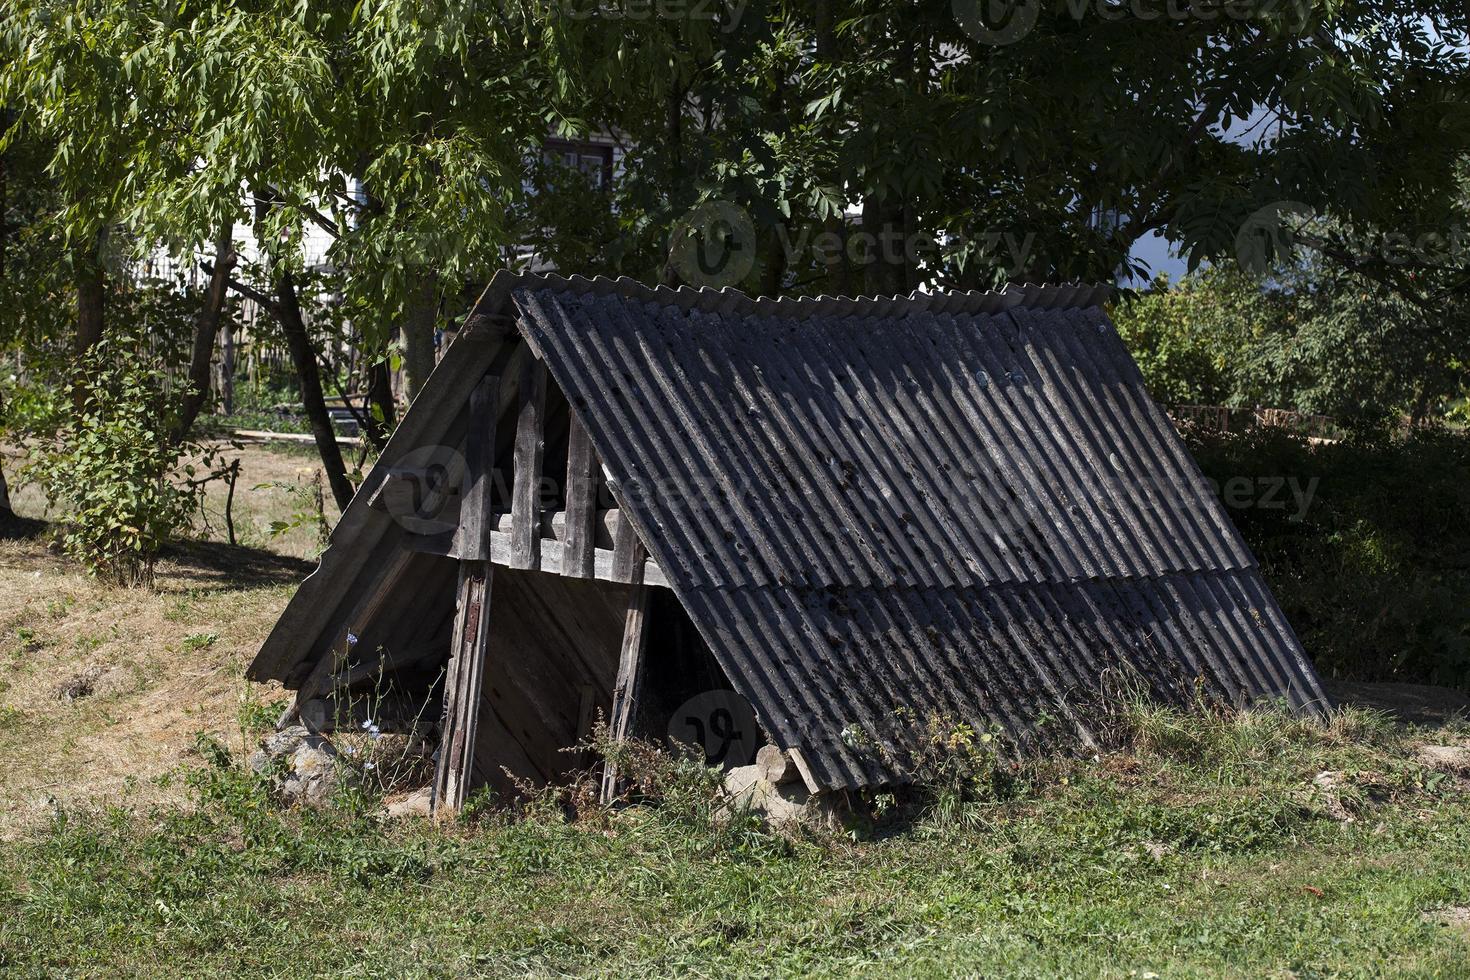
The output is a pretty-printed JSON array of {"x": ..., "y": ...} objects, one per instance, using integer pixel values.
[
  {"x": 464, "y": 679},
  {"x": 630, "y": 673},
  {"x": 463, "y": 687}
]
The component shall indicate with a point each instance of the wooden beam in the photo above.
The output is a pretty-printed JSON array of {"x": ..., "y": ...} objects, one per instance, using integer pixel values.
[
  {"x": 627, "y": 553},
  {"x": 475, "y": 516},
  {"x": 583, "y": 474},
  {"x": 446, "y": 546},
  {"x": 464, "y": 684},
  {"x": 630, "y": 670},
  {"x": 555, "y": 527},
  {"x": 530, "y": 448}
]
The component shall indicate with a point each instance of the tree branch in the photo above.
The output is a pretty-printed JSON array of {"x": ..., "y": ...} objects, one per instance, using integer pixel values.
[{"x": 265, "y": 302}]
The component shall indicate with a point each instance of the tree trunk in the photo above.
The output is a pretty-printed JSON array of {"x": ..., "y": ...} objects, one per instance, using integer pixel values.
[
  {"x": 773, "y": 270},
  {"x": 206, "y": 329},
  {"x": 6, "y": 512},
  {"x": 303, "y": 359},
  {"x": 673, "y": 147},
  {"x": 381, "y": 411},
  {"x": 91, "y": 283},
  {"x": 421, "y": 315},
  {"x": 886, "y": 256},
  {"x": 227, "y": 366}
]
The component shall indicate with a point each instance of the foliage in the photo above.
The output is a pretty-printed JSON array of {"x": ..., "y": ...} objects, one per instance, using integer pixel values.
[
  {"x": 1311, "y": 337},
  {"x": 800, "y": 115},
  {"x": 308, "y": 509},
  {"x": 1188, "y": 337},
  {"x": 1375, "y": 574},
  {"x": 107, "y": 459}
]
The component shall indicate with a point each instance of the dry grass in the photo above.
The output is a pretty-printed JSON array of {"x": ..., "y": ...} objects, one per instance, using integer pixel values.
[{"x": 154, "y": 667}]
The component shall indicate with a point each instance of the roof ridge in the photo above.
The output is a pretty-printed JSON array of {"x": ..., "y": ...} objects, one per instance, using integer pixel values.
[{"x": 730, "y": 300}]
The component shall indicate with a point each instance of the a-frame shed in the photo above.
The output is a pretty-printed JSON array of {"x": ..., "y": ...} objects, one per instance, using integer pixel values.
[{"x": 859, "y": 514}]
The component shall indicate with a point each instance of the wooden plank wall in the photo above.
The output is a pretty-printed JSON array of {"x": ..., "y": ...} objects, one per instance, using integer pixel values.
[{"x": 554, "y": 645}]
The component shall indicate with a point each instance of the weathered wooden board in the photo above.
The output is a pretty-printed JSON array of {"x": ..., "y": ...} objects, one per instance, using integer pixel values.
[
  {"x": 554, "y": 643},
  {"x": 462, "y": 687},
  {"x": 584, "y": 472},
  {"x": 630, "y": 665},
  {"x": 479, "y": 456},
  {"x": 530, "y": 449}
]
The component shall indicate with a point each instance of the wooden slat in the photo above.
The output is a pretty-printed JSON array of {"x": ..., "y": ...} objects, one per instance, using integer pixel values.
[
  {"x": 530, "y": 448},
  {"x": 583, "y": 473},
  {"x": 630, "y": 670},
  {"x": 359, "y": 621},
  {"x": 446, "y": 546},
  {"x": 475, "y": 516},
  {"x": 463, "y": 687}
]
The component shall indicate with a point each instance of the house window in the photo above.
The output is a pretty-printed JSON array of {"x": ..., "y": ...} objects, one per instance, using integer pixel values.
[{"x": 594, "y": 160}]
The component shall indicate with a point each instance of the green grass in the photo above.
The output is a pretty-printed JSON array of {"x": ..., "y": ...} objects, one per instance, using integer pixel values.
[{"x": 1200, "y": 849}]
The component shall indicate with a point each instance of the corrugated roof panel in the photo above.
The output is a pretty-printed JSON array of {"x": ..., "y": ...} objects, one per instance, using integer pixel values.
[{"x": 976, "y": 514}]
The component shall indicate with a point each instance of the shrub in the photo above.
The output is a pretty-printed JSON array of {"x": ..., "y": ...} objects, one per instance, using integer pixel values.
[
  {"x": 1375, "y": 575},
  {"x": 103, "y": 453}
]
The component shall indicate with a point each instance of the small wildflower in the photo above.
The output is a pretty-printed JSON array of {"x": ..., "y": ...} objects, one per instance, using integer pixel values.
[
  {"x": 352, "y": 639},
  {"x": 370, "y": 765}
]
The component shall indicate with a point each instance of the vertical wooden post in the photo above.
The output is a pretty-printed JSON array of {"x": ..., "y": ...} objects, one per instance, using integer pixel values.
[
  {"x": 463, "y": 688},
  {"x": 464, "y": 679},
  {"x": 530, "y": 448},
  {"x": 630, "y": 669},
  {"x": 578, "y": 553}
]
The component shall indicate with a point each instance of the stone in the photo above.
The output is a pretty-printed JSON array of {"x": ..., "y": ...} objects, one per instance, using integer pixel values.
[
  {"x": 775, "y": 765},
  {"x": 302, "y": 766},
  {"x": 740, "y": 780},
  {"x": 780, "y": 807},
  {"x": 1328, "y": 789},
  {"x": 419, "y": 803}
]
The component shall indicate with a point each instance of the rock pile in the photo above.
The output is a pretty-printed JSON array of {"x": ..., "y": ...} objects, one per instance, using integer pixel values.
[{"x": 773, "y": 790}]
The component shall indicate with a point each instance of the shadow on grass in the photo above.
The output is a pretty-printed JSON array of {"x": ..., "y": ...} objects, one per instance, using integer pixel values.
[
  {"x": 13, "y": 527},
  {"x": 182, "y": 566},
  {"x": 214, "y": 566},
  {"x": 1410, "y": 704}
]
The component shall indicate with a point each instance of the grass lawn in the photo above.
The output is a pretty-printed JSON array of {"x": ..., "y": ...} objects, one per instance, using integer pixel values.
[{"x": 1200, "y": 846}]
